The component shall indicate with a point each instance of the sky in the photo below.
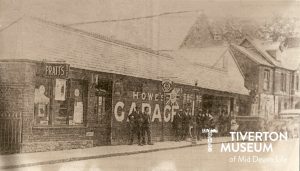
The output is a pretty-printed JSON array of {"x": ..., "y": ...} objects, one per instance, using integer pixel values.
[{"x": 159, "y": 33}]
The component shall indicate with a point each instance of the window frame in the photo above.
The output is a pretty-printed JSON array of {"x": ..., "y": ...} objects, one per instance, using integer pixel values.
[
  {"x": 266, "y": 82},
  {"x": 68, "y": 97},
  {"x": 283, "y": 79}
]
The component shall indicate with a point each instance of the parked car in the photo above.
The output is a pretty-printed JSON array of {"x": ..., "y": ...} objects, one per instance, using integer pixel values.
[
  {"x": 289, "y": 114},
  {"x": 288, "y": 120}
]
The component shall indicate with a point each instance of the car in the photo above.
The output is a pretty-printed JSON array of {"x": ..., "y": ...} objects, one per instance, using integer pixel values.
[
  {"x": 291, "y": 117},
  {"x": 289, "y": 114}
]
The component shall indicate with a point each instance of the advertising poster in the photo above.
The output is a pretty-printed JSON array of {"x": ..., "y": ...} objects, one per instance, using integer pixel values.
[
  {"x": 78, "y": 112},
  {"x": 149, "y": 85},
  {"x": 60, "y": 89}
]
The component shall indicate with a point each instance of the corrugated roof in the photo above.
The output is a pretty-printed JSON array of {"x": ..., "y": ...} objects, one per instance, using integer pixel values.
[
  {"x": 43, "y": 41},
  {"x": 35, "y": 40}
]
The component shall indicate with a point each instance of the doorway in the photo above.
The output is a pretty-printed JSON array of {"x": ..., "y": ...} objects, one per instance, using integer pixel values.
[{"x": 103, "y": 109}]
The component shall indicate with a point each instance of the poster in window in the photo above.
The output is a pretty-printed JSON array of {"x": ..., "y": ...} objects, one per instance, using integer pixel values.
[
  {"x": 60, "y": 89},
  {"x": 41, "y": 101},
  {"x": 78, "y": 112}
]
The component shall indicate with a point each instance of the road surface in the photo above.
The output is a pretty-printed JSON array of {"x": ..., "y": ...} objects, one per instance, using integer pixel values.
[{"x": 285, "y": 156}]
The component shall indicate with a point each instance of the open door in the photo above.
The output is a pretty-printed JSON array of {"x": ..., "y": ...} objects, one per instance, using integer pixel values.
[{"x": 103, "y": 111}]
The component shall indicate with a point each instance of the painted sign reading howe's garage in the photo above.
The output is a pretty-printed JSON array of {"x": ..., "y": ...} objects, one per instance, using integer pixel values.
[{"x": 154, "y": 101}]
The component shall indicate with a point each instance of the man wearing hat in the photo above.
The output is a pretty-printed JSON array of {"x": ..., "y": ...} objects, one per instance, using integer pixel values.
[
  {"x": 177, "y": 125},
  {"x": 199, "y": 124},
  {"x": 135, "y": 125},
  {"x": 146, "y": 127}
]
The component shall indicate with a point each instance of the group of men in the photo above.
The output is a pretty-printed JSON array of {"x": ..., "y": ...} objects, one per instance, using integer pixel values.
[
  {"x": 187, "y": 125},
  {"x": 181, "y": 123},
  {"x": 140, "y": 124},
  {"x": 184, "y": 124}
]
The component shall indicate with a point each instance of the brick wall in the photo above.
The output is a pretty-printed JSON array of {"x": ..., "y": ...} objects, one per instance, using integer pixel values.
[
  {"x": 17, "y": 85},
  {"x": 16, "y": 91}
]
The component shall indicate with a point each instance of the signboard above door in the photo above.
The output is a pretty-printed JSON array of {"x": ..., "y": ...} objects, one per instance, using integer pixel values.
[{"x": 55, "y": 70}]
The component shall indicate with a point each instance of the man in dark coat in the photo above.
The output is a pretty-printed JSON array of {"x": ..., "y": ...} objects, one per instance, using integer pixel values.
[
  {"x": 207, "y": 124},
  {"x": 177, "y": 125},
  {"x": 132, "y": 118},
  {"x": 146, "y": 127},
  {"x": 135, "y": 124},
  {"x": 185, "y": 125},
  {"x": 199, "y": 124}
]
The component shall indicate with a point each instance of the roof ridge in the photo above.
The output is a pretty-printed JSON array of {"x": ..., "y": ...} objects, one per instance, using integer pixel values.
[
  {"x": 248, "y": 54},
  {"x": 102, "y": 37},
  {"x": 265, "y": 55}
]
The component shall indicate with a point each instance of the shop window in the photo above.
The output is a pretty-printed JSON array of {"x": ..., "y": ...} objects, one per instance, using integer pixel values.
[
  {"x": 59, "y": 101},
  {"x": 42, "y": 96},
  {"x": 266, "y": 79}
]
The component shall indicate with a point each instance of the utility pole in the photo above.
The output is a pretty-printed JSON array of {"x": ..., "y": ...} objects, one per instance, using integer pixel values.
[{"x": 194, "y": 136}]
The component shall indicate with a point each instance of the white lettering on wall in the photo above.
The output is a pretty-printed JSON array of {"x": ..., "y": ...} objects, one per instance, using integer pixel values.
[
  {"x": 167, "y": 116},
  {"x": 132, "y": 107},
  {"x": 150, "y": 96},
  {"x": 156, "y": 113},
  {"x": 146, "y": 105},
  {"x": 156, "y": 97},
  {"x": 168, "y": 111},
  {"x": 174, "y": 109},
  {"x": 144, "y": 96},
  {"x": 135, "y": 95},
  {"x": 119, "y": 117}
]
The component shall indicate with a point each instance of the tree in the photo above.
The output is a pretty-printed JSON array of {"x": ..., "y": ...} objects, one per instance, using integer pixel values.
[{"x": 277, "y": 29}]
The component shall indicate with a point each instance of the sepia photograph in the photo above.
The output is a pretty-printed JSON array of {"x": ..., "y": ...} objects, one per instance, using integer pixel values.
[{"x": 149, "y": 85}]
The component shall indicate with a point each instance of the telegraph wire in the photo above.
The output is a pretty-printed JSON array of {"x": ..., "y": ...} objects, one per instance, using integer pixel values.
[
  {"x": 12, "y": 23},
  {"x": 133, "y": 18}
]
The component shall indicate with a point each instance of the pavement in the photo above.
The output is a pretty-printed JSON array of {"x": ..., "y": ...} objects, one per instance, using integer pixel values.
[{"x": 53, "y": 157}]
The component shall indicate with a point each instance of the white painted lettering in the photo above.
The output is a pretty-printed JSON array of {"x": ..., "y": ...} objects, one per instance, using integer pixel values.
[
  {"x": 119, "y": 117},
  {"x": 167, "y": 116},
  {"x": 156, "y": 113}
]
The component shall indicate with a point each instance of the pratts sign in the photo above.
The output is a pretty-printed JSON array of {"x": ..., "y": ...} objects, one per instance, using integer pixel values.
[{"x": 56, "y": 70}]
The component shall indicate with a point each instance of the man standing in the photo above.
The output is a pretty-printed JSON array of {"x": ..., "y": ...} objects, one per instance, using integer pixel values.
[
  {"x": 199, "y": 124},
  {"x": 185, "y": 124},
  {"x": 146, "y": 127},
  {"x": 177, "y": 125},
  {"x": 132, "y": 126},
  {"x": 135, "y": 124}
]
